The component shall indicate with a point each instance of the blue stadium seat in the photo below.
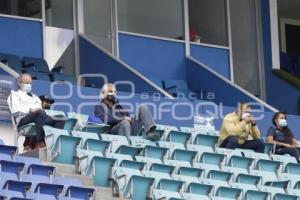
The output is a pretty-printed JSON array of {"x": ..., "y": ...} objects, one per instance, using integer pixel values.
[
  {"x": 188, "y": 174},
  {"x": 154, "y": 152},
  {"x": 12, "y": 61},
  {"x": 8, "y": 150},
  {"x": 256, "y": 195},
  {"x": 49, "y": 189},
  {"x": 11, "y": 167},
  {"x": 284, "y": 158},
  {"x": 168, "y": 188},
  {"x": 227, "y": 193},
  {"x": 178, "y": 137},
  {"x": 197, "y": 191},
  {"x": 16, "y": 186},
  {"x": 80, "y": 192},
  {"x": 116, "y": 141},
  {"x": 219, "y": 176},
  {"x": 267, "y": 169},
  {"x": 60, "y": 143},
  {"x": 123, "y": 174},
  {"x": 139, "y": 141},
  {"x": 138, "y": 187},
  {"x": 182, "y": 157},
  {"x": 96, "y": 128},
  {"x": 35, "y": 64},
  {"x": 210, "y": 161},
  {"x": 101, "y": 170},
  {"x": 285, "y": 197},
  {"x": 204, "y": 143},
  {"x": 238, "y": 164}
]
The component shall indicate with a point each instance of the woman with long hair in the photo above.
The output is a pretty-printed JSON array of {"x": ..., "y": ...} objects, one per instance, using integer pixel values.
[{"x": 282, "y": 136}]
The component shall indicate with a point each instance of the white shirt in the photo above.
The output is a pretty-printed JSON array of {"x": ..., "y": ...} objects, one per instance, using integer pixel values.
[{"x": 20, "y": 101}]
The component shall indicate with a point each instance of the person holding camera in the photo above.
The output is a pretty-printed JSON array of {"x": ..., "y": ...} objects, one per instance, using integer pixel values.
[{"x": 236, "y": 129}]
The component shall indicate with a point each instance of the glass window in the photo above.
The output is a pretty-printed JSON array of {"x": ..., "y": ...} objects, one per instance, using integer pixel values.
[
  {"x": 208, "y": 21},
  {"x": 162, "y": 18},
  {"x": 23, "y": 8}
]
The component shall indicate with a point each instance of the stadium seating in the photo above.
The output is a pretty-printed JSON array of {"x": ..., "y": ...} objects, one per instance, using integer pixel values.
[
  {"x": 27, "y": 178},
  {"x": 184, "y": 164},
  {"x": 37, "y": 67}
]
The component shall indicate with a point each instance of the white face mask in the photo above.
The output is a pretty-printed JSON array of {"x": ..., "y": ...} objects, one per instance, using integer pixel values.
[
  {"x": 282, "y": 123},
  {"x": 245, "y": 115},
  {"x": 27, "y": 88}
]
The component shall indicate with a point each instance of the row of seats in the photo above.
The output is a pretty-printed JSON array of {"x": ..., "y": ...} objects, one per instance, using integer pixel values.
[
  {"x": 127, "y": 161},
  {"x": 177, "y": 88},
  {"x": 27, "y": 178},
  {"x": 100, "y": 155},
  {"x": 37, "y": 67},
  {"x": 290, "y": 63}
]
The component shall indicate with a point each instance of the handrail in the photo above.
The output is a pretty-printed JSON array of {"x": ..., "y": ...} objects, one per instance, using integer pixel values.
[
  {"x": 9, "y": 70},
  {"x": 20, "y": 17},
  {"x": 232, "y": 84},
  {"x": 127, "y": 66},
  {"x": 152, "y": 37}
]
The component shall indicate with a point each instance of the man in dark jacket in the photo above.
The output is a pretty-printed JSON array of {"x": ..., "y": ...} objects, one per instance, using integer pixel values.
[{"x": 113, "y": 114}]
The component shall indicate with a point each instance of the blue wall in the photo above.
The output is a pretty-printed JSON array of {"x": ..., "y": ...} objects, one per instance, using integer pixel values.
[
  {"x": 21, "y": 37},
  {"x": 95, "y": 61},
  {"x": 280, "y": 93},
  {"x": 200, "y": 78},
  {"x": 76, "y": 101},
  {"x": 153, "y": 57},
  {"x": 216, "y": 58}
]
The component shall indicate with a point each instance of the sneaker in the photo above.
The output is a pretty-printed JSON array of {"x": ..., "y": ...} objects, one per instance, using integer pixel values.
[{"x": 153, "y": 136}]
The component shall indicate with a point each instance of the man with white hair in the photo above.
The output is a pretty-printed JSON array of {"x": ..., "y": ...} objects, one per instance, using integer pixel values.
[
  {"x": 26, "y": 108},
  {"x": 112, "y": 113}
]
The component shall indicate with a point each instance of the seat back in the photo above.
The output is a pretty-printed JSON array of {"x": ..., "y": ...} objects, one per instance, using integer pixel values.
[
  {"x": 256, "y": 195},
  {"x": 230, "y": 193},
  {"x": 188, "y": 171},
  {"x": 170, "y": 185},
  {"x": 248, "y": 179},
  {"x": 206, "y": 140},
  {"x": 139, "y": 187},
  {"x": 178, "y": 137},
  {"x": 200, "y": 189},
  {"x": 212, "y": 158}
]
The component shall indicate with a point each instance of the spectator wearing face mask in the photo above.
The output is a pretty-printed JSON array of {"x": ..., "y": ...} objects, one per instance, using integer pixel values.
[
  {"x": 237, "y": 127},
  {"x": 113, "y": 114},
  {"x": 282, "y": 136},
  {"x": 26, "y": 108}
]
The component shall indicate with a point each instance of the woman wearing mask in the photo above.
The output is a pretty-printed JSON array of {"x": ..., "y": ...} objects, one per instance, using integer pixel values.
[{"x": 282, "y": 136}]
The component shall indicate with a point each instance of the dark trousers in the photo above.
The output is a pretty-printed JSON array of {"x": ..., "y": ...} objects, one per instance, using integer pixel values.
[
  {"x": 231, "y": 142},
  {"x": 291, "y": 151},
  {"x": 40, "y": 118}
]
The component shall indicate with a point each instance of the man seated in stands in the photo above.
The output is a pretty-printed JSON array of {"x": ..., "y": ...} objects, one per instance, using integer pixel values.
[
  {"x": 280, "y": 135},
  {"x": 237, "y": 127},
  {"x": 112, "y": 113},
  {"x": 27, "y": 108}
]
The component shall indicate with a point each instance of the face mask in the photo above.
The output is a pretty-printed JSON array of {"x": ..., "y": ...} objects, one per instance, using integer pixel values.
[
  {"x": 27, "y": 88},
  {"x": 282, "y": 123},
  {"x": 245, "y": 115},
  {"x": 111, "y": 97}
]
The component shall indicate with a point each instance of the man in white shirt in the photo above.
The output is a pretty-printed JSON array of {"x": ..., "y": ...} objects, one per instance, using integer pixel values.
[{"x": 27, "y": 108}]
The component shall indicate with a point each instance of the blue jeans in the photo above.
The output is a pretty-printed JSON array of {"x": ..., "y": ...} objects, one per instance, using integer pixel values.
[
  {"x": 143, "y": 119},
  {"x": 231, "y": 142},
  {"x": 291, "y": 151}
]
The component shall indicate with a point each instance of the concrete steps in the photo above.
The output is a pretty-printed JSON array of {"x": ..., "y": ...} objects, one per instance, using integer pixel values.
[{"x": 65, "y": 170}]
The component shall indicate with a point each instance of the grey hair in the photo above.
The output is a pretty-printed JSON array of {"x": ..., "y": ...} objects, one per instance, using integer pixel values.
[{"x": 103, "y": 92}]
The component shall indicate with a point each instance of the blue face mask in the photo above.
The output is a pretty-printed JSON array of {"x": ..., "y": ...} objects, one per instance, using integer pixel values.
[
  {"x": 27, "y": 88},
  {"x": 282, "y": 123}
]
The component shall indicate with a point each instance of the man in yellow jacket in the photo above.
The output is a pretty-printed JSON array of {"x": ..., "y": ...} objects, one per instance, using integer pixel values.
[{"x": 237, "y": 127}]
